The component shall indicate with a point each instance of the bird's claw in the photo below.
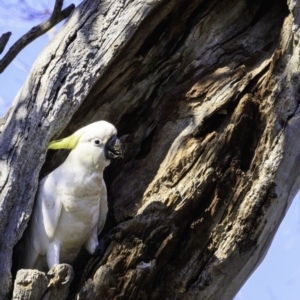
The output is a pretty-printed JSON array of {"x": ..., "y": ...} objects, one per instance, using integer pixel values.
[
  {"x": 67, "y": 278},
  {"x": 60, "y": 274}
]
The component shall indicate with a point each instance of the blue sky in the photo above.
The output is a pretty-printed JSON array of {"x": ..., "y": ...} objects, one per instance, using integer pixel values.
[{"x": 278, "y": 276}]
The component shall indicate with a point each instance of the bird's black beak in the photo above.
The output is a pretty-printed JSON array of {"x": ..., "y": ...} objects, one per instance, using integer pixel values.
[{"x": 113, "y": 148}]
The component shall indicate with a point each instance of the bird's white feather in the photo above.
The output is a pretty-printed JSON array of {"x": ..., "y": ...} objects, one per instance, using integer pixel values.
[{"x": 71, "y": 204}]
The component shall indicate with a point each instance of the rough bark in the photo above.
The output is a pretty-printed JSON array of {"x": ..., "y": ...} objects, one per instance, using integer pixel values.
[
  {"x": 33, "y": 284},
  {"x": 205, "y": 96}
]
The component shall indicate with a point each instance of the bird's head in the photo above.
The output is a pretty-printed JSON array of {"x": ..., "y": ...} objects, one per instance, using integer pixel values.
[{"x": 95, "y": 144}]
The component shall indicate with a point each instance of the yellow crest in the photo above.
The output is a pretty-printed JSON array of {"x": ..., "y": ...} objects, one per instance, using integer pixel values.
[{"x": 69, "y": 142}]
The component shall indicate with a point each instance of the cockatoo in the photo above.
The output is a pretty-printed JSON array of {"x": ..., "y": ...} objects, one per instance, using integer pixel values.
[{"x": 71, "y": 204}]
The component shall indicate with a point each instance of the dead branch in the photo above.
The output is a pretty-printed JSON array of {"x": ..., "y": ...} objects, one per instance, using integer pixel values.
[
  {"x": 3, "y": 40},
  {"x": 56, "y": 16}
]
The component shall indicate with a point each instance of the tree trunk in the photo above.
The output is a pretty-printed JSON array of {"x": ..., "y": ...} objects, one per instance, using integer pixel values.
[{"x": 205, "y": 96}]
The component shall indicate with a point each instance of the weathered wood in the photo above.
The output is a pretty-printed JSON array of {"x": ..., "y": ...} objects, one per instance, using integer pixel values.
[
  {"x": 57, "y": 85},
  {"x": 34, "y": 285},
  {"x": 202, "y": 191},
  {"x": 205, "y": 97},
  {"x": 30, "y": 285}
]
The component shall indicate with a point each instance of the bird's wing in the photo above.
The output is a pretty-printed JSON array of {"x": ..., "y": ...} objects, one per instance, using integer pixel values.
[
  {"x": 51, "y": 204},
  {"x": 46, "y": 213},
  {"x": 103, "y": 208}
]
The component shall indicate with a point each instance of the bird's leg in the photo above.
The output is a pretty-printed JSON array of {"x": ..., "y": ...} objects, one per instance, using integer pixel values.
[
  {"x": 53, "y": 254},
  {"x": 92, "y": 242}
]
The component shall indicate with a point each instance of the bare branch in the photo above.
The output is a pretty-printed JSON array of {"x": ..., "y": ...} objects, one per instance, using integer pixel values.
[
  {"x": 3, "y": 40},
  {"x": 35, "y": 32},
  {"x": 57, "y": 8}
]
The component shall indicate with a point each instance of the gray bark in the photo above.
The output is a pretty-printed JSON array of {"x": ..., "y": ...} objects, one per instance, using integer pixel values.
[
  {"x": 205, "y": 96},
  {"x": 33, "y": 284}
]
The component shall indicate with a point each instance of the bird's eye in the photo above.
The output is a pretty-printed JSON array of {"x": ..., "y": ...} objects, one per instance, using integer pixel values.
[{"x": 97, "y": 142}]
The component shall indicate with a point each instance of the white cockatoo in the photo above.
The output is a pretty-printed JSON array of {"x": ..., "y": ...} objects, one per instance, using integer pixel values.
[{"x": 71, "y": 204}]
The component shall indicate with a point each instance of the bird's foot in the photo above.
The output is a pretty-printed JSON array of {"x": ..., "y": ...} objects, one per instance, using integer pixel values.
[{"x": 60, "y": 274}]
